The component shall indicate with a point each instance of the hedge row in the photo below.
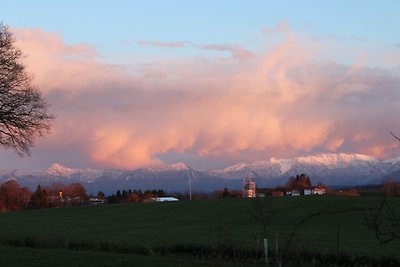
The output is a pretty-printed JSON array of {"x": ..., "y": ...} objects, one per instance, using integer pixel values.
[{"x": 221, "y": 252}]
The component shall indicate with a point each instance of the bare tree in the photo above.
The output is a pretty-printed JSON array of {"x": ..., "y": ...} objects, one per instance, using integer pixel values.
[
  {"x": 395, "y": 136},
  {"x": 23, "y": 111},
  {"x": 384, "y": 221}
]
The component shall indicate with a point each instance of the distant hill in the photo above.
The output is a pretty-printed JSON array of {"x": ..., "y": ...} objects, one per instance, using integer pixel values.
[
  {"x": 171, "y": 178},
  {"x": 330, "y": 169}
]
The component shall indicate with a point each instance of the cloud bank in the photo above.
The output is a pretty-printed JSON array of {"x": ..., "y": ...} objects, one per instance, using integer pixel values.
[
  {"x": 236, "y": 51},
  {"x": 288, "y": 99}
]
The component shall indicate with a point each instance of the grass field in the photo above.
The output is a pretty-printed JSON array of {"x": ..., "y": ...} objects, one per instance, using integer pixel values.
[
  {"x": 22, "y": 257},
  {"x": 207, "y": 222}
]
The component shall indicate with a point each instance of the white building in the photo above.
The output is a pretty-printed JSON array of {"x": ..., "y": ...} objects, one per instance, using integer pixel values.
[
  {"x": 308, "y": 192},
  {"x": 164, "y": 199}
]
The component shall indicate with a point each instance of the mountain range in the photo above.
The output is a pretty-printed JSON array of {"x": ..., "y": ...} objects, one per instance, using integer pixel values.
[{"x": 330, "y": 169}]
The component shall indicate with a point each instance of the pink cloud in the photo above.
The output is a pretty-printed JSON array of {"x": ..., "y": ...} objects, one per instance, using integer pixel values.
[
  {"x": 281, "y": 103},
  {"x": 57, "y": 65},
  {"x": 236, "y": 51},
  {"x": 281, "y": 27}
]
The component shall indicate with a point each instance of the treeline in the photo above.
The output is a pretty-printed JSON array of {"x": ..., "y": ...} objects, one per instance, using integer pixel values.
[
  {"x": 58, "y": 195},
  {"x": 302, "y": 182},
  {"x": 139, "y": 196},
  {"x": 14, "y": 197},
  {"x": 131, "y": 196}
]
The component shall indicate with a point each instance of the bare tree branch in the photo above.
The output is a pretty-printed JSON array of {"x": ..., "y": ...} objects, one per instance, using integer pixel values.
[
  {"x": 395, "y": 136},
  {"x": 23, "y": 111},
  {"x": 384, "y": 221},
  {"x": 320, "y": 213}
]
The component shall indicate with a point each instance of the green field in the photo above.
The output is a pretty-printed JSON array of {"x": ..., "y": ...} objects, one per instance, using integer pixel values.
[
  {"x": 22, "y": 257},
  {"x": 207, "y": 222}
]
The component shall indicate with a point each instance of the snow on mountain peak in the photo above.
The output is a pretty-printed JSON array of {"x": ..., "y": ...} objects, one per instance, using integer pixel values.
[
  {"x": 59, "y": 170},
  {"x": 284, "y": 164},
  {"x": 236, "y": 167},
  {"x": 342, "y": 166},
  {"x": 152, "y": 168},
  {"x": 179, "y": 166},
  {"x": 393, "y": 160},
  {"x": 330, "y": 159}
]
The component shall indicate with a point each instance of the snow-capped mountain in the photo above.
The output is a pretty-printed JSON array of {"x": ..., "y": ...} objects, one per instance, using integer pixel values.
[
  {"x": 174, "y": 177},
  {"x": 59, "y": 170},
  {"x": 330, "y": 169},
  {"x": 337, "y": 169}
]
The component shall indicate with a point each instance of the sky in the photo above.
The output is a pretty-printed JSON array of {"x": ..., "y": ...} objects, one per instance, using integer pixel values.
[{"x": 209, "y": 83}]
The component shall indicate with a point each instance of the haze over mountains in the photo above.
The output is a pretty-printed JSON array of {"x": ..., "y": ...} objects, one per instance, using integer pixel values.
[{"x": 330, "y": 169}]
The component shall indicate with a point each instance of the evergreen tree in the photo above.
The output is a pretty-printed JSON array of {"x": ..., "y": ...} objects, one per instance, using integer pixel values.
[
  {"x": 226, "y": 193},
  {"x": 39, "y": 199}
]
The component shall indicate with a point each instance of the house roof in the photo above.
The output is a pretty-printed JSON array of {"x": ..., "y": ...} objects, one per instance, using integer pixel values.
[{"x": 319, "y": 188}]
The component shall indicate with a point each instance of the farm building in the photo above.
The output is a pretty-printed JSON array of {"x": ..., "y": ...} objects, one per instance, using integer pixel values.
[
  {"x": 96, "y": 201},
  {"x": 295, "y": 193},
  {"x": 319, "y": 190},
  {"x": 308, "y": 192}
]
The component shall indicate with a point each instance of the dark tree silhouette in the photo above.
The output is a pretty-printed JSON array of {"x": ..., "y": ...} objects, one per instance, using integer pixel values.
[
  {"x": 384, "y": 221},
  {"x": 300, "y": 182},
  {"x": 13, "y": 197},
  {"x": 395, "y": 136},
  {"x": 39, "y": 198},
  {"x": 101, "y": 195},
  {"x": 23, "y": 111},
  {"x": 226, "y": 193}
]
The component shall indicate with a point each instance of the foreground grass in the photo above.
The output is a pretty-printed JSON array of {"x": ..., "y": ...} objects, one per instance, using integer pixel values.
[
  {"x": 207, "y": 222},
  {"x": 15, "y": 257}
]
